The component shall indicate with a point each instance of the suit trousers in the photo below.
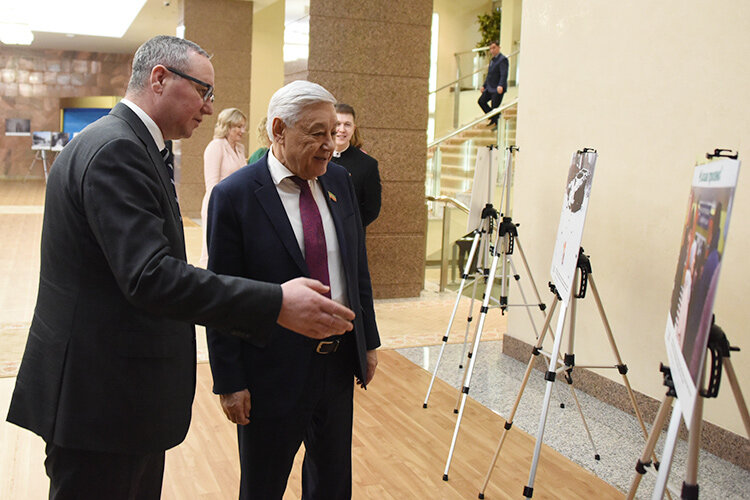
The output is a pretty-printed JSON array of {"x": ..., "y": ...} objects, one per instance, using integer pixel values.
[
  {"x": 495, "y": 100},
  {"x": 322, "y": 419},
  {"x": 94, "y": 475}
]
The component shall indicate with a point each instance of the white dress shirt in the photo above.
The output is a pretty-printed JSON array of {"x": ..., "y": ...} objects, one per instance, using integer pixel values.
[
  {"x": 289, "y": 194},
  {"x": 150, "y": 124}
]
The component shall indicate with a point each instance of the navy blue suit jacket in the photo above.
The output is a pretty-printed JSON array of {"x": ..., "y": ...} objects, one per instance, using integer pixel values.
[
  {"x": 497, "y": 74},
  {"x": 249, "y": 235}
]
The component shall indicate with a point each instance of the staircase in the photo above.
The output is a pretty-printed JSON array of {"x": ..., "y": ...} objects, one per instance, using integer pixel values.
[{"x": 458, "y": 154}]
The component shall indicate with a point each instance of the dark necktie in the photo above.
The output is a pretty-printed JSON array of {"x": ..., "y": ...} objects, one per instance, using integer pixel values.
[
  {"x": 316, "y": 254},
  {"x": 168, "y": 157}
]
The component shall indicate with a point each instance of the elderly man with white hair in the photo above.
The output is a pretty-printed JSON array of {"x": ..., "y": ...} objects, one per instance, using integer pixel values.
[{"x": 293, "y": 214}]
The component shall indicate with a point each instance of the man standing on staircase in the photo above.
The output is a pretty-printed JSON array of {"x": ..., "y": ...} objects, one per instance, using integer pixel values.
[{"x": 494, "y": 86}]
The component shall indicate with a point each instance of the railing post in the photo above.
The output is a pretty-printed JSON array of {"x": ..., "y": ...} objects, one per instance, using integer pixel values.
[
  {"x": 444, "y": 247},
  {"x": 438, "y": 159},
  {"x": 457, "y": 91}
]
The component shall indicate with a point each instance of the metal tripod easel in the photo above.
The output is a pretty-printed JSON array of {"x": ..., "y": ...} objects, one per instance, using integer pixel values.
[
  {"x": 481, "y": 242},
  {"x": 507, "y": 237},
  {"x": 41, "y": 154}
]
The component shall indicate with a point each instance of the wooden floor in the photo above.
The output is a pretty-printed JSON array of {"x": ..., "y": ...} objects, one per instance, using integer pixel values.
[{"x": 399, "y": 449}]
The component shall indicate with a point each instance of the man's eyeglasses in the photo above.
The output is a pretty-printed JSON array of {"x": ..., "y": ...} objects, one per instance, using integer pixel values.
[{"x": 207, "y": 93}]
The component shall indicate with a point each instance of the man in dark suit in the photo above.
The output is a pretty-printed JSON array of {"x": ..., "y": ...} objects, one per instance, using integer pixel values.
[
  {"x": 362, "y": 167},
  {"x": 293, "y": 214},
  {"x": 494, "y": 86},
  {"x": 108, "y": 375}
]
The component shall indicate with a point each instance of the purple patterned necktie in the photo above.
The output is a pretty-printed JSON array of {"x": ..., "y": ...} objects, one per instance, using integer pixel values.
[
  {"x": 316, "y": 254},
  {"x": 168, "y": 156}
]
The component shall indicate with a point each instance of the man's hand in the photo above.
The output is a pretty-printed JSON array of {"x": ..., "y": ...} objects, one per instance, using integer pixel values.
[
  {"x": 236, "y": 406},
  {"x": 372, "y": 363},
  {"x": 500, "y": 89},
  {"x": 305, "y": 310},
  {"x": 481, "y": 89}
]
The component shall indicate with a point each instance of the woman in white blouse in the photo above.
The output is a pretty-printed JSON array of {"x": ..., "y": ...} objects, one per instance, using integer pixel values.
[{"x": 224, "y": 155}]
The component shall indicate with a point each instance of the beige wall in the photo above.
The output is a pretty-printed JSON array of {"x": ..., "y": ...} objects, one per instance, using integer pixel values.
[
  {"x": 510, "y": 34},
  {"x": 652, "y": 86},
  {"x": 267, "y": 64},
  {"x": 458, "y": 32}
]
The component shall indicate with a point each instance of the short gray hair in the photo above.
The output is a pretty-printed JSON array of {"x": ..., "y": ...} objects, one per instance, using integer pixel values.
[
  {"x": 162, "y": 49},
  {"x": 287, "y": 103}
]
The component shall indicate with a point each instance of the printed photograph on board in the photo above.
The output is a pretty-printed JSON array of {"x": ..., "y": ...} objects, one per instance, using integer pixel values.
[
  {"x": 41, "y": 140},
  {"x": 696, "y": 277},
  {"x": 17, "y": 126},
  {"x": 572, "y": 219},
  {"x": 59, "y": 140}
]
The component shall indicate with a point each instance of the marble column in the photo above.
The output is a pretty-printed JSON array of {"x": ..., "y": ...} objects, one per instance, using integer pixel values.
[
  {"x": 375, "y": 56},
  {"x": 224, "y": 29}
]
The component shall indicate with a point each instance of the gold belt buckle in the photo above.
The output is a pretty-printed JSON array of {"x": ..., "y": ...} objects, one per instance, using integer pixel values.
[{"x": 323, "y": 343}]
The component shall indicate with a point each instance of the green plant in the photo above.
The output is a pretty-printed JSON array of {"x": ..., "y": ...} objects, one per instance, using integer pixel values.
[{"x": 489, "y": 27}]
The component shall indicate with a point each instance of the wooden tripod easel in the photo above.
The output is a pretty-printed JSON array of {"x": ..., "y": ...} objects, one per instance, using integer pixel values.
[
  {"x": 566, "y": 368},
  {"x": 718, "y": 345}
]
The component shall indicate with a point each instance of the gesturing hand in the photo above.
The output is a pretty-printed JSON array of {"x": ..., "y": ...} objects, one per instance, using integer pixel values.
[
  {"x": 305, "y": 310},
  {"x": 236, "y": 406}
]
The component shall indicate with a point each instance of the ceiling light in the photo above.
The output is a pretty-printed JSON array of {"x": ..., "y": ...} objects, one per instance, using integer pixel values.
[
  {"x": 79, "y": 17},
  {"x": 16, "y": 34}
]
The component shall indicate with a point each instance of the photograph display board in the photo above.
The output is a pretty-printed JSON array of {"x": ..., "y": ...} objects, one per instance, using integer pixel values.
[
  {"x": 572, "y": 217},
  {"x": 690, "y": 310},
  {"x": 17, "y": 126},
  {"x": 47, "y": 140},
  {"x": 41, "y": 140},
  {"x": 59, "y": 140},
  {"x": 483, "y": 189}
]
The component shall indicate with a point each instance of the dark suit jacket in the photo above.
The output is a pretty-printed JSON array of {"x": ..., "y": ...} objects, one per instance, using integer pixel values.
[
  {"x": 110, "y": 359},
  {"x": 366, "y": 178},
  {"x": 497, "y": 74},
  {"x": 249, "y": 235}
]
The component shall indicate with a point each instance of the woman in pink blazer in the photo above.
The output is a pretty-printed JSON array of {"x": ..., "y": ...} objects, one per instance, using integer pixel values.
[{"x": 224, "y": 155}]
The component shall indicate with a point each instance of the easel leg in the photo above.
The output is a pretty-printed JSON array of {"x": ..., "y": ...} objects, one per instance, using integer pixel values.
[
  {"x": 511, "y": 416},
  {"x": 653, "y": 437},
  {"x": 690, "y": 485},
  {"x": 467, "y": 267},
  {"x": 469, "y": 319},
  {"x": 668, "y": 453},
  {"x": 739, "y": 399},
  {"x": 528, "y": 273},
  {"x": 475, "y": 348},
  {"x": 621, "y": 367},
  {"x": 550, "y": 377}
]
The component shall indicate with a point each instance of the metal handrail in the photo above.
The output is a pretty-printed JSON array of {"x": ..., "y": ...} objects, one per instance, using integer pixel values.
[
  {"x": 473, "y": 123},
  {"x": 478, "y": 49},
  {"x": 448, "y": 199},
  {"x": 445, "y": 241},
  {"x": 454, "y": 82}
]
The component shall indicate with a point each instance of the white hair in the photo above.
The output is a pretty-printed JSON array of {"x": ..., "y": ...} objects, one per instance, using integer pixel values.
[{"x": 287, "y": 102}]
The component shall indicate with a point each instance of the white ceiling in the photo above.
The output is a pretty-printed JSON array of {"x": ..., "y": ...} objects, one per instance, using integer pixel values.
[{"x": 158, "y": 17}]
